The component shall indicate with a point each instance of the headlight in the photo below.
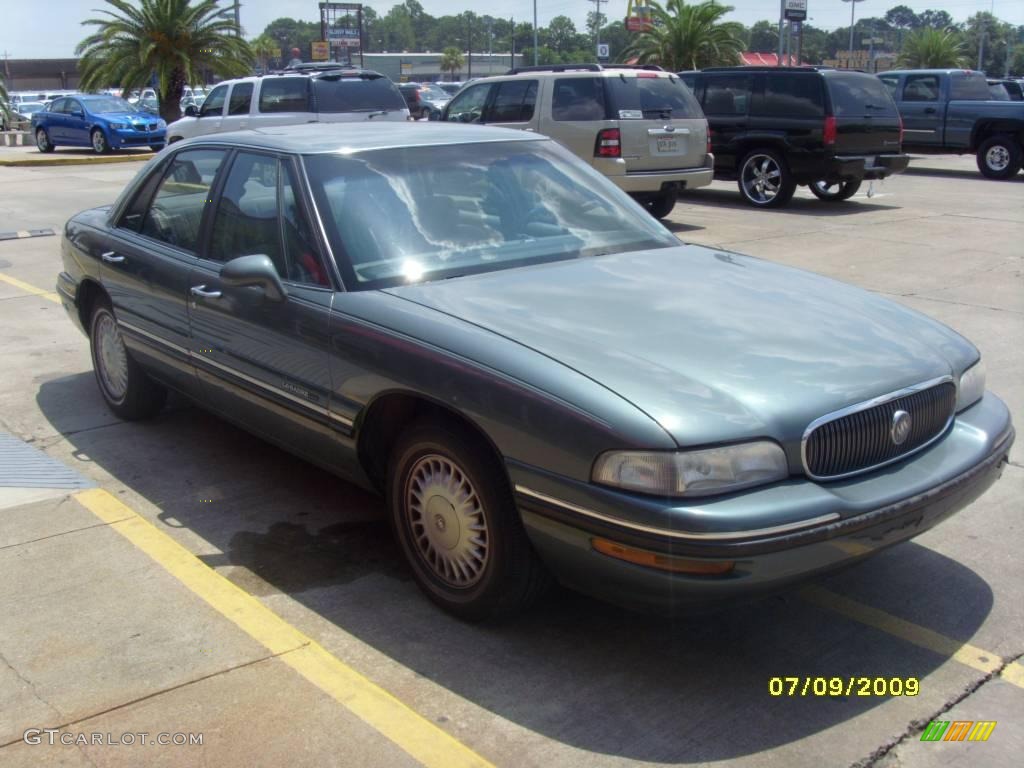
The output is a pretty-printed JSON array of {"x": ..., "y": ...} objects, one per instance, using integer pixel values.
[
  {"x": 972, "y": 386},
  {"x": 119, "y": 126},
  {"x": 693, "y": 473}
]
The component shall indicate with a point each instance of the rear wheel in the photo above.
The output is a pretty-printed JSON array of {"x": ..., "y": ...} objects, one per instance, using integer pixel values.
[
  {"x": 43, "y": 141},
  {"x": 999, "y": 157},
  {"x": 125, "y": 387},
  {"x": 452, "y": 512},
  {"x": 834, "y": 191},
  {"x": 157, "y": 147},
  {"x": 662, "y": 205},
  {"x": 765, "y": 180}
]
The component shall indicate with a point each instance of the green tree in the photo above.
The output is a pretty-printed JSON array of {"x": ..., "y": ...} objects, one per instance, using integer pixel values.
[
  {"x": 562, "y": 35},
  {"x": 935, "y": 19},
  {"x": 902, "y": 17},
  {"x": 264, "y": 48},
  {"x": 689, "y": 36},
  {"x": 174, "y": 40},
  {"x": 764, "y": 37},
  {"x": 928, "y": 48},
  {"x": 451, "y": 60}
]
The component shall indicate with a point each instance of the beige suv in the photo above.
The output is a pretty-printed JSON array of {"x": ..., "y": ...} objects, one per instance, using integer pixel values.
[{"x": 641, "y": 127}]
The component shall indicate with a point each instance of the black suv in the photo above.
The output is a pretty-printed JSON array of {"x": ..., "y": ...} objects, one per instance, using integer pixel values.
[{"x": 775, "y": 127}]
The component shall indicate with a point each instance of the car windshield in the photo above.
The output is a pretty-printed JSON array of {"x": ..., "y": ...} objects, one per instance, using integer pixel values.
[
  {"x": 434, "y": 91},
  {"x": 28, "y": 107},
  {"x": 404, "y": 215},
  {"x": 109, "y": 104}
]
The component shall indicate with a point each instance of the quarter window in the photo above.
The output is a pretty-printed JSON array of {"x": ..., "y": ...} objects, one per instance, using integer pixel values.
[
  {"x": 921, "y": 88},
  {"x": 792, "y": 96},
  {"x": 241, "y": 98},
  {"x": 578, "y": 98},
  {"x": 468, "y": 106},
  {"x": 175, "y": 215},
  {"x": 727, "y": 95},
  {"x": 285, "y": 94},
  {"x": 214, "y": 104},
  {"x": 514, "y": 102}
]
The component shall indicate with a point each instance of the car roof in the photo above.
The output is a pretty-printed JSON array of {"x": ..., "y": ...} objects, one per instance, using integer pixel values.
[
  {"x": 350, "y": 138},
  {"x": 950, "y": 71}
]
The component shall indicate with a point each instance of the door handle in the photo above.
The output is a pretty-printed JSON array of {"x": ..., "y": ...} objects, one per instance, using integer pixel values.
[
  {"x": 929, "y": 110},
  {"x": 112, "y": 258},
  {"x": 200, "y": 290}
]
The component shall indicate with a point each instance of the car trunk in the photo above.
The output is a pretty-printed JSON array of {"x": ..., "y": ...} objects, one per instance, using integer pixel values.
[
  {"x": 660, "y": 122},
  {"x": 867, "y": 121}
]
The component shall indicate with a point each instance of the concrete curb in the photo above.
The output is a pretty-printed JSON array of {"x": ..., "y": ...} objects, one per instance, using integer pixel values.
[{"x": 74, "y": 160}]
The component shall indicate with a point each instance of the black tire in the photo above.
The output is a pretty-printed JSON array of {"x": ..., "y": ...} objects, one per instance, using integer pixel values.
[
  {"x": 661, "y": 206},
  {"x": 43, "y": 140},
  {"x": 779, "y": 185},
  {"x": 1000, "y": 157},
  {"x": 100, "y": 145},
  {"x": 834, "y": 193},
  {"x": 140, "y": 397},
  {"x": 157, "y": 147},
  {"x": 508, "y": 577}
]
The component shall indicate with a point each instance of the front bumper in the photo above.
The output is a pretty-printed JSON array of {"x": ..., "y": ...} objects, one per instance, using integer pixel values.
[
  {"x": 133, "y": 138},
  {"x": 838, "y": 523},
  {"x": 866, "y": 166}
]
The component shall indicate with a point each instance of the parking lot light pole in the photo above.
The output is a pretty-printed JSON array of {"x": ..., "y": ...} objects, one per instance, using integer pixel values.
[
  {"x": 535, "y": 33},
  {"x": 853, "y": 4}
]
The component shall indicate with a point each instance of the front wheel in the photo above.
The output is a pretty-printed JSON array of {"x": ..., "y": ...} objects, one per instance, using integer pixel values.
[
  {"x": 157, "y": 147},
  {"x": 452, "y": 512},
  {"x": 43, "y": 141},
  {"x": 661, "y": 206},
  {"x": 125, "y": 387},
  {"x": 100, "y": 145},
  {"x": 834, "y": 191},
  {"x": 999, "y": 157},
  {"x": 765, "y": 180}
]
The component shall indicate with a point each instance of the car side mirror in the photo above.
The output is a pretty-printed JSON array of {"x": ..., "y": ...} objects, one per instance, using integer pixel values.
[
  {"x": 191, "y": 111},
  {"x": 254, "y": 271}
]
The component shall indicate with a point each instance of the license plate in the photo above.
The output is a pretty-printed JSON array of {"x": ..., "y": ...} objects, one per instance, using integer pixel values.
[{"x": 667, "y": 144}]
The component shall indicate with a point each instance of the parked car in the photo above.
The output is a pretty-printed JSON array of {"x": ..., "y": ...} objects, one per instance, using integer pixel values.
[
  {"x": 425, "y": 100},
  {"x": 538, "y": 376},
  {"x": 951, "y": 111},
  {"x": 102, "y": 122},
  {"x": 1004, "y": 89},
  {"x": 774, "y": 128},
  {"x": 325, "y": 94},
  {"x": 450, "y": 88},
  {"x": 21, "y": 114},
  {"x": 638, "y": 126}
]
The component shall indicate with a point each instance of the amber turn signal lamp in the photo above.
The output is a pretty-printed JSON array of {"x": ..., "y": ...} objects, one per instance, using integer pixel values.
[{"x": 659, "y": 561}]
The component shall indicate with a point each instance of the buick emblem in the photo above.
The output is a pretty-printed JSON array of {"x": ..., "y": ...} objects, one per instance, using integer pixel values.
[{"x": 900, "y": 429}]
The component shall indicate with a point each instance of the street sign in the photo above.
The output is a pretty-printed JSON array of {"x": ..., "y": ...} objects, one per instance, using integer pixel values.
[
  {"x": 320, "y": 50},
  {"x": 794, "y": 10},
  {"x": 602, "y": 50},
  {"x": 794, "y": 27}
]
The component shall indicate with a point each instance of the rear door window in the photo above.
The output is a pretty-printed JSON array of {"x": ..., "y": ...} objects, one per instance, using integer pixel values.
[
  {"x": 651, "y": 98},
  {"x": 578, "y": 99},
  {"x": 176, "y": 213},
  {"x": 856, "y": 94},
  {"x": 356, "y": 93},
  {"x": 285, "y": 94},
  {"x": 241, "y": 99},
  {"x": 513, "y": 102},
  {"x": 727, "y": 95},
  {"x": 922, "y": 88},
  {"x": 787, "y": 95}
]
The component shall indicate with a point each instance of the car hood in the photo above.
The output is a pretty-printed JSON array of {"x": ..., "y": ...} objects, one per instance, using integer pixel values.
[
  {"x": 126, "y": 117},
  {"x": 715, "y": 346}
]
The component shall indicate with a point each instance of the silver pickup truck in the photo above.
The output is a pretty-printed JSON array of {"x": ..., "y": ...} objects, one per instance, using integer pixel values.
[{"x": 950, "y": 110}]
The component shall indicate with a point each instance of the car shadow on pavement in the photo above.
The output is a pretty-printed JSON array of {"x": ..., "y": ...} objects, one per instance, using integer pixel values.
[
  {"x": 798, "y": 206},
  {"x": 686, "y": 689}
]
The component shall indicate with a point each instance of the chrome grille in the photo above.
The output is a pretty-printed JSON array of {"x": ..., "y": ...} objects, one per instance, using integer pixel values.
[{"x": 860, "y": 440}]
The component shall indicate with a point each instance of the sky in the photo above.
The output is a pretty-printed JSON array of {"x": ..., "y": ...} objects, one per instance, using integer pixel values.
[{"x": 52, "y": 28}]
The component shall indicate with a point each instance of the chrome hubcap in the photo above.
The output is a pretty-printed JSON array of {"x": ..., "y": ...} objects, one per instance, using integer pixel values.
[
  {"x": 41, "y": 141},
  {"x": 761, "y": 178},
  {"x": 98, "y": 141},
  {"x": 827, "y": 188},
  {"x": 447, "y": 521},
  {"x": 998, "y": 158},
  {"x": 111, "y": 357}
]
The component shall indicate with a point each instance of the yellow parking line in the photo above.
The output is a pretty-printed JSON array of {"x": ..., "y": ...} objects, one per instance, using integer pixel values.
[
  {"x": 22, "y": 286},
  {"x": 965, "y": 653},
  {"x": 426, "y": 742}
]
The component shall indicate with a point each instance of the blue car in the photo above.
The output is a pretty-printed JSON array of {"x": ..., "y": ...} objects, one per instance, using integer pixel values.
[{"x": 98, "y": 121}]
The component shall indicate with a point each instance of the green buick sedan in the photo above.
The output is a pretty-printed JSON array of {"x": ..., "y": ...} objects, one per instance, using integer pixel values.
[{"x": 540, "y": 379}]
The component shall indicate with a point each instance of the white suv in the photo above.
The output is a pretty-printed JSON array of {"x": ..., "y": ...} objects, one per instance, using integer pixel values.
[
  {"x": 638, "y": 125},
  {"x": 304, "y": 94}
]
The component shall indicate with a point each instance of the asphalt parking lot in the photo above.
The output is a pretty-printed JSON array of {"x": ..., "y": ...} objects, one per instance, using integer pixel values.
[{"x": 200, "y": 581}]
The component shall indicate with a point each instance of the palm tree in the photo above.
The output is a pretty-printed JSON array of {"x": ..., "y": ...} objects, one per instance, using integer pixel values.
[
  {"x": 175, "y": 40},
  {"x": 451, "y": 60},
  {"x": 689, "y": 36},
  {"x": 929, "y": 48},
  {"x": 264, "y": 48}
]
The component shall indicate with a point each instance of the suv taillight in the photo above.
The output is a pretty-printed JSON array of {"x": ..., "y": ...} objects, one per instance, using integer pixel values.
[
  {"x": 609, "y": 143},
  {"x": 829, "y": 133}
]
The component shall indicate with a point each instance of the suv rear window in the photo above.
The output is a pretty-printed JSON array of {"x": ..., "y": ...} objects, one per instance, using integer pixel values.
[
  {"x": 356, "y": 93},
  {"x": 285, "y": 94},
  {"x": 656, "y": 97},
  {"x": 791, "y": 95},
  {"x": 969, "y": 87},
  {"x": 858, "y": 94},
  {"x": 578, "y": 98}
]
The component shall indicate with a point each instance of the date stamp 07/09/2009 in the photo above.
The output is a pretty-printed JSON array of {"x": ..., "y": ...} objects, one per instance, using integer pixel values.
[{"x": 844, "y": 686}]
